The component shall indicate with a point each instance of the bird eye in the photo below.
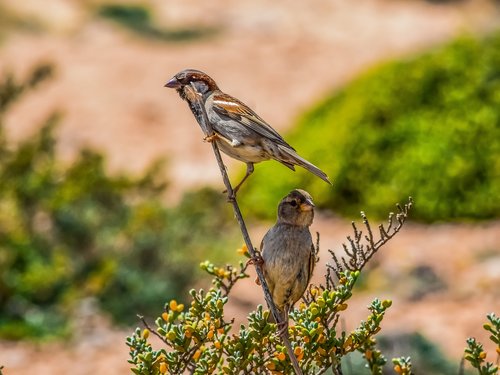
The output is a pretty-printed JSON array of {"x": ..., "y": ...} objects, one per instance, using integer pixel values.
[{"x": 293, "y": 203}]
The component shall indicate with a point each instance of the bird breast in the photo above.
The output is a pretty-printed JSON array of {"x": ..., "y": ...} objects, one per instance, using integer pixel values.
[{"x": 286, "y": 251}]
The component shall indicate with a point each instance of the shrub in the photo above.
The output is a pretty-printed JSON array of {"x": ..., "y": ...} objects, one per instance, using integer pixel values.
[
  {"x": 200, "y": 339},
  {"x": 138, "y": 19},
  {"x": 475, "y": 353},
  {"x": 428, "y": 126}
]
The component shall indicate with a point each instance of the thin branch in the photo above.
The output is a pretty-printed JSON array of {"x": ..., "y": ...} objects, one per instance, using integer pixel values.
[
  {"x": 232, "y": 199},
  {"x": 153, "y": 331},
  {"x": 358, "y": 253}
]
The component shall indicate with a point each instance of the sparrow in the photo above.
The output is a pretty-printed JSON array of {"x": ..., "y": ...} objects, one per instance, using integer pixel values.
[
  {"x": 238, "y": 130},
  {"x": 288, "y": 253}
]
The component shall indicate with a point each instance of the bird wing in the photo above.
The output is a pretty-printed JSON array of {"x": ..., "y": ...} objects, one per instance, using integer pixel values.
[
  {"x": 312, "y": 262},
  {"x": 227, "y": 106}
]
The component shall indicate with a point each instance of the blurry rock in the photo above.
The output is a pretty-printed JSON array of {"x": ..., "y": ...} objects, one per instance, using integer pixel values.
[{"x": 423, "y": 281}]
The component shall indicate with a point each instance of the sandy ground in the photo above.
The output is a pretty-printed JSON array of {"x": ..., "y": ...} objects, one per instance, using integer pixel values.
[{"x": 279, "y": 58}]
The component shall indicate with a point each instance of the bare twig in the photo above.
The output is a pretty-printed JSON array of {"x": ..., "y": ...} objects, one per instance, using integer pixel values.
[
  {"x": 206, "y": 126},
  {"x": 227, "y": 287},
  {"x": 357, "y": 254}
]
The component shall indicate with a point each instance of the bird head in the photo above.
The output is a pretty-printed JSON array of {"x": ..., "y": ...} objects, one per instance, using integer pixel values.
[
  {"x": 198, "y": 80},
  {"x": 297, "y": 208}
]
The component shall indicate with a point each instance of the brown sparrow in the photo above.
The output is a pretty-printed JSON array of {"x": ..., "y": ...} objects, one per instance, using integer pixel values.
[
  {"x": 238, "y": 131},
  {"x": 288, "y": 252}
]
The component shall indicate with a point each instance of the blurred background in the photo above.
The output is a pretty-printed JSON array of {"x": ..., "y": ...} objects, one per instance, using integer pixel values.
[{"x": 109, "y": 199}]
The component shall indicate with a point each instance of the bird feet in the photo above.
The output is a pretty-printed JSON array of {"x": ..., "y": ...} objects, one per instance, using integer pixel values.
[
  {"x": 211, "y": 138},
  {"x": 256, "y": 260},
  {"x": 282, "y": 328},
  {"x": 231, "y": 198}
]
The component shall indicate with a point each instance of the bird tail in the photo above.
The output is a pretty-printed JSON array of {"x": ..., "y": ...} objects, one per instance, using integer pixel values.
[{"x": 290, "y": 158}]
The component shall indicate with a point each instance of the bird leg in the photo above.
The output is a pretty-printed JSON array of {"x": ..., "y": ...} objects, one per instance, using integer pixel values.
[
  {"x": 247, "y": 174},
  {"x": 232, "y": 197},
  {"x": 283, "y": 325}
]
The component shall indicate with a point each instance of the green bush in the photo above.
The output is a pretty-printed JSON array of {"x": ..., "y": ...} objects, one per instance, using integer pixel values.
[
  {"x": 138, "y": 19},
  {"x": 72, "y": 232},
  {"x": 427, "y": 126}
]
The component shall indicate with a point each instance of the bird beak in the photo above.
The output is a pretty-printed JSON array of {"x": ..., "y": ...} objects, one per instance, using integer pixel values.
[
  {"x": 173, "y": 84},
  {"x": 308, "y": 205}
]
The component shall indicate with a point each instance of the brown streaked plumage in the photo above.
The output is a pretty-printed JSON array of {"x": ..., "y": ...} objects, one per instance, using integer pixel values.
[{"x": 239, "y": 131}]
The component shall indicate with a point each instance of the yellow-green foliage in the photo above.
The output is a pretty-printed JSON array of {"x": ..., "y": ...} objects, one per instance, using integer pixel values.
[
  {"x": 199, "y": 338},
  {"x": 475, "y": 353},
  {"x": 427, "y": 126}
]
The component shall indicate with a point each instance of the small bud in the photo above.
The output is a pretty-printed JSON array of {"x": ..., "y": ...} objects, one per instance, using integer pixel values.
[
  {"x": 398, "y": 369},
  {"x": 342, "y": 307},
  {"x": 171, "y": 335},
  {"x": 163, "y": 367},
  {"x": 180, "y": 307},
  {"x": 164, "y": 316},
  {"x": 188, "y": 331},
  {"x": 482, "y": 355},
  {"x": 347, "y": 342},
  {"x": 145, "y": 333},
  {"x": 386, "y": 303},
  {"x": 218, "y": 345},
  {"x": 173, "y": 305},
  {"x": 270, "y": 366},
  {"x": 196, "y": 355},
  {"x": 281, "y": 356},
  {"x": 299, "y": 353},
  {"x": 220, "y": 304},
  {"x": 242, "y": 250},
  {"x": 210, "y": 335}
]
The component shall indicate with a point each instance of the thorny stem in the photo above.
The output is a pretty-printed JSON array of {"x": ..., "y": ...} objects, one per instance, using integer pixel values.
[
  {"x": 360, "y": 253},
  {"x": 232, "y": 199}
]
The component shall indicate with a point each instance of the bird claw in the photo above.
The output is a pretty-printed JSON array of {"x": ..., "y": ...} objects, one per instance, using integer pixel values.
[
  {"x": 231, "y": 198},
  {"x": 256, "y": 260},
  {"x": 211, "y": 138},
  {"x": 282, "y": 328}
]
